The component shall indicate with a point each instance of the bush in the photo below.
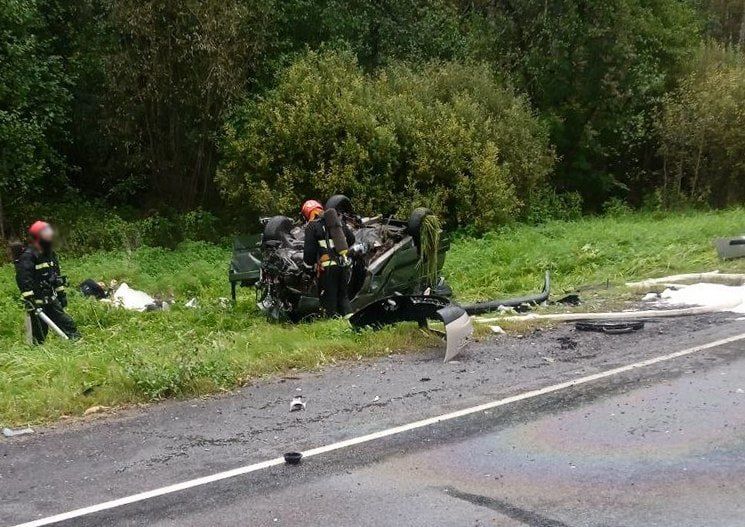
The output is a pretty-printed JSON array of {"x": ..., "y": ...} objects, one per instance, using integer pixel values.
[
  {"x": 86, "y": 227},
  {"x": 702, "y": 133},
  {"x": 447, "y": 136}
]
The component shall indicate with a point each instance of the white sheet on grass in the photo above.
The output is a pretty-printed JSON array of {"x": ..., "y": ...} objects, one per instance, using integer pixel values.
[{"x": 132, "y": 299}]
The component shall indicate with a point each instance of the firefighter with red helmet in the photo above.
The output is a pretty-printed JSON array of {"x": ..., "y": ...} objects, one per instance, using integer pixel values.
[
  {"x": 328, "y": 256},
  {"x": 42, "y": 284}
]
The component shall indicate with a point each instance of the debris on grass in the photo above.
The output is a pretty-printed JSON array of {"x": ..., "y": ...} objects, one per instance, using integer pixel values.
[
  {"x": 570, "y": 300},
  {"x": 95, "y": 410}
]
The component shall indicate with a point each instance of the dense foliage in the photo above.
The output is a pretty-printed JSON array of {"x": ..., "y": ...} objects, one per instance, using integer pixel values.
[
  {"x": 127, "y": 101},
  {"x": 595, "y": 71},
  {"x": 702, "y": 130},
  {"x": 34, "y": 99},
  {"x": 447, "y": 136}
]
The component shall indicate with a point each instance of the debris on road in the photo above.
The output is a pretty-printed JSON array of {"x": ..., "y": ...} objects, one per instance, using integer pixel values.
[
  {"x": 293, "y": 458},
  {"x": 14, "y": 432},
  {"x": 497, "y": 329},
  {"x": 297, "y": 404},
  {"x": 611, "y": 326},
  {"x": 567, "y": 343}
]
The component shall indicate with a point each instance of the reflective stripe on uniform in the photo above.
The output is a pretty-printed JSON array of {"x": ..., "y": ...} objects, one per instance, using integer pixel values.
[
  {"x": 326, "y": 245},
  {"x": 43, "y": 265},
  {"x": 328, "y": 263},
  {"x": 27, "y": 294}
]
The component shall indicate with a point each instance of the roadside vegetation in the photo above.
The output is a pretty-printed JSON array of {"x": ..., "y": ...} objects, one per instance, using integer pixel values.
[
  {"x": 128, "y": 358},
  {"x": 152, "y": 131}
]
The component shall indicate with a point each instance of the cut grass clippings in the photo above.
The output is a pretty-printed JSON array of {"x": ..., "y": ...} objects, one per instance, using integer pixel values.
[{"x": 128, "y": 357}]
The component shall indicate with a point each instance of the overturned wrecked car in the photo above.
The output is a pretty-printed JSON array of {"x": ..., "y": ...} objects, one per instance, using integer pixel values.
[
  {"x": 388, "y": 258},
  {"x": 394, "y": 275}
]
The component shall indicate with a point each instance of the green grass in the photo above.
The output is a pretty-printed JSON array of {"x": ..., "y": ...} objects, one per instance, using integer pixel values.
[{"x": 129, "y": 357}]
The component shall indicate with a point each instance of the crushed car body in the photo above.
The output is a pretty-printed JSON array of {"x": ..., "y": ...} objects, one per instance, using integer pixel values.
[
  {"x": 385, "y": 260},
  {"x": 387, "y": 282}
]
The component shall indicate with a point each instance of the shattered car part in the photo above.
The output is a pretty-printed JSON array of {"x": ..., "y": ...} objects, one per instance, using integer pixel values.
[
  {"x": 297, "y": 404},
  {"x": 493, "y": 305},
  {"x": 420, "y": 309},
  {"x": 730, "y": 248},
  {"x": 610, "y": 326}
]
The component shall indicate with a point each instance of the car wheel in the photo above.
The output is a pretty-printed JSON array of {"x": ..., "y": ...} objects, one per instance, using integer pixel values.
[
  {"x": 277, "y": 229},
  {"x": 414, "y": 225},
  {"x": 341, "y": 203}
]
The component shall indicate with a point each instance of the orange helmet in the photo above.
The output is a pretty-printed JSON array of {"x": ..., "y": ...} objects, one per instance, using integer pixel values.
[
  {"x": 311, "y": 208},
  {"x": 37, "y": 228}
]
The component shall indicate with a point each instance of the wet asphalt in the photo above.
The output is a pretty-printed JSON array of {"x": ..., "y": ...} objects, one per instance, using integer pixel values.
[{"x": 662, "y": 445}]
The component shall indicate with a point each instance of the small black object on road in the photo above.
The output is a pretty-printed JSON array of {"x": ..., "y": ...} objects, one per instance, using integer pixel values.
[
  {"x": 610, "y": 326},
  {"x": 293, "y": 458}
]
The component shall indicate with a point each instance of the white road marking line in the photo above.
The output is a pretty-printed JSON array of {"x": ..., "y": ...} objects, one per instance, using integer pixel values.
[{"x": 85, "y": 511}]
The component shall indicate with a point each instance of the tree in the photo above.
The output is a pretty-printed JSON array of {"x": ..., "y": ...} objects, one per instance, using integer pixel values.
[
  {"x": 34, "y": 108},
  {"x": 444, "y": 135},
  {"x": 597, "y": 71},
  {"x": 172, "y": 69},
  {"x": 702, "y": 133},
  {"x": 377, "y": 31}
]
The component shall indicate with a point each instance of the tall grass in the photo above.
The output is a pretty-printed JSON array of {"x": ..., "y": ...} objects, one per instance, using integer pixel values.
[{"x": 129, "y": 357}]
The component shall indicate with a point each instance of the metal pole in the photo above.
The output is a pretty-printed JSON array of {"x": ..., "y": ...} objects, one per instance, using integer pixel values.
[{"x": 54, "y": 327}]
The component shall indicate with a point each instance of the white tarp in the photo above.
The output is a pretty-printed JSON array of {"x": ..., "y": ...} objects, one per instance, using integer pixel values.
[
  {"x": 129, "y": 298},
  {"x": 705, "y": 294}
]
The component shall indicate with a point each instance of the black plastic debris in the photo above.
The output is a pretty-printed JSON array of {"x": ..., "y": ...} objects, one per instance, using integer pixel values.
[
  {"x": 293, "y": 458},
  {"x": 518, "y": 303},
  {"x": 610, "y": 326},
  {"x": 570, "y": 300}
]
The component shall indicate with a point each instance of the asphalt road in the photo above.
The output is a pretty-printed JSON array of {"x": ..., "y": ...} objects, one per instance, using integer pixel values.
[{"x": 660, "y": 445}]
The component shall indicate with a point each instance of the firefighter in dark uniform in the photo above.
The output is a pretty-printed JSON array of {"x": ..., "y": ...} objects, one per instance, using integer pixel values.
[
  {"x": 331, "y": 266},
  {"x": 42, "y": 284}
]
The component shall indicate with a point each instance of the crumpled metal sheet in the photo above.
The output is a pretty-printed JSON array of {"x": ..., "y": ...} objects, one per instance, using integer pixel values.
[{"x": 420, "y": 309}]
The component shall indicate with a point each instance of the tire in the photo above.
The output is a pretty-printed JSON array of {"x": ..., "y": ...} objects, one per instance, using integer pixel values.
[
  {"x": 277, "y": 229},
  {"x": 341, "y": 203},
  {"x": 611, "y": 326},
  {"x": 414, "y": 225}
]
